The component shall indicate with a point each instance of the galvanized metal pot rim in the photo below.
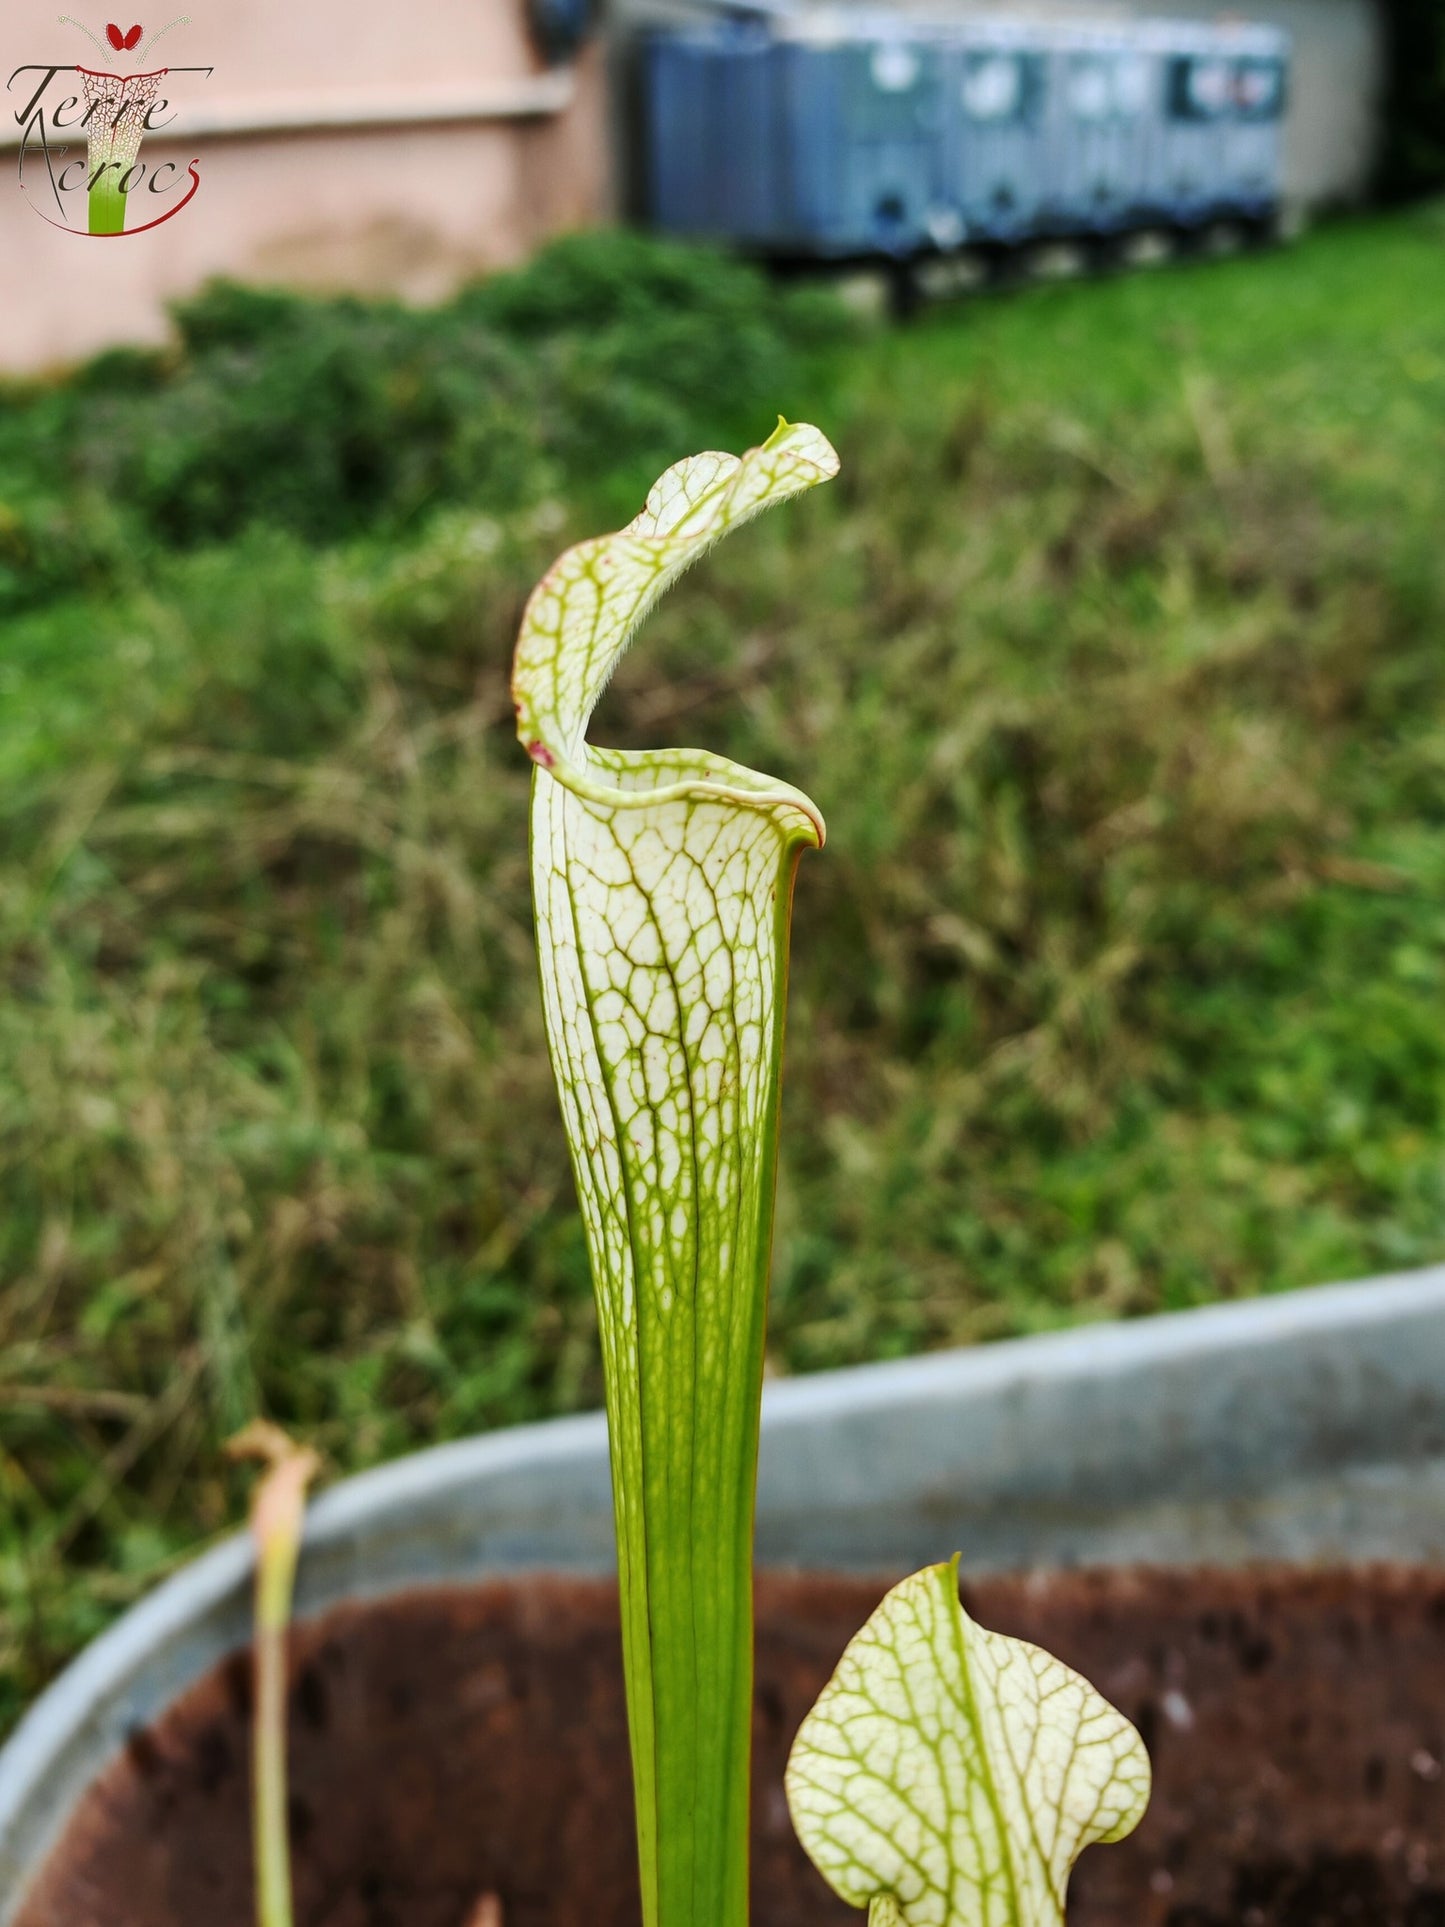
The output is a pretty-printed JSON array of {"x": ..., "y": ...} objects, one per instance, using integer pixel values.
[{"x": 1306, "y": 1426}]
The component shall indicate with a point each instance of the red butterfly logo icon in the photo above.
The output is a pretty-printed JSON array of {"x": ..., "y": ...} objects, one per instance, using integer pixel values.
[{"x": 122, "y": 41}]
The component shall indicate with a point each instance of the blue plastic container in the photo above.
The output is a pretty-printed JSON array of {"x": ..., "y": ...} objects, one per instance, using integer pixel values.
[{"x": 833, "y": 132}]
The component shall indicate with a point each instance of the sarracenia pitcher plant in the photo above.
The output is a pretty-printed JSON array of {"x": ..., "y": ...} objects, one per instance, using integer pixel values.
[
  {"x": 948, "y": 1776},
  {"x": 663, "y": 884}
]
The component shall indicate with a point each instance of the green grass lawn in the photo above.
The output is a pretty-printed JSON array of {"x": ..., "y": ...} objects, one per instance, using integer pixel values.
[{"x": 1116, "y": 658}]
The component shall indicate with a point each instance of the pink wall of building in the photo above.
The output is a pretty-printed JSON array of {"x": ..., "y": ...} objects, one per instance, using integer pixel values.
[{"x": 396, "y": 145}]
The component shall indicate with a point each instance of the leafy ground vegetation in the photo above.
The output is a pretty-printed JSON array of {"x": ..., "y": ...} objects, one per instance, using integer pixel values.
[{"x": 1116, "y": 658}]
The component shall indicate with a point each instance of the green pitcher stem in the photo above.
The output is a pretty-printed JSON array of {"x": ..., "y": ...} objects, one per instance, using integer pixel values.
[
  {"x": 107, "y": 205},
  {"x": 685, "y": 1551}
]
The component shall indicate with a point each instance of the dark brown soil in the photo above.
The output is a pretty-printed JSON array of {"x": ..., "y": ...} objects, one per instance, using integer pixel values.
[{"x": 455, "y": 1745}]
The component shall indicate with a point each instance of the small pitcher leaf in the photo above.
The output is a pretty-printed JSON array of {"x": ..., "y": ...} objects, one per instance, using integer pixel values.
[{"x": 951, "y": 1777}]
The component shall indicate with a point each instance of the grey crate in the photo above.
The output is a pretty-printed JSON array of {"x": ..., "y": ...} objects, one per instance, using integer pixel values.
[
  {"x": 1254, "y": 134},
  {"x": 746, "y": 128},
  {"x": 676, "y": 143},
  {"x": 1186, "y": 152},
  {"x": 995, "y": 141},
  {"x": 1105, "y": 101},
  {"x": 1214, "y": 154},
  {"x": 872, "y": 165},
  {"x": 710, "y": 133}
]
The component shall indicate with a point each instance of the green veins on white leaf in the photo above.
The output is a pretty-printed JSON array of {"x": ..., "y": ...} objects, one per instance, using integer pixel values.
[
  {"x": 950, "y": 1777},
  {"x": 662, "y": 883}
]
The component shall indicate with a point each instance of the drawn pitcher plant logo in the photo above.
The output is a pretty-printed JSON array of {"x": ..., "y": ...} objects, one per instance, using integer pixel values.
[{"x": 109, "y": 191}]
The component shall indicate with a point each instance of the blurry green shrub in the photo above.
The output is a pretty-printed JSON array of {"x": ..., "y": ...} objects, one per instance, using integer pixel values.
[{"x": 327, "y": 417}]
